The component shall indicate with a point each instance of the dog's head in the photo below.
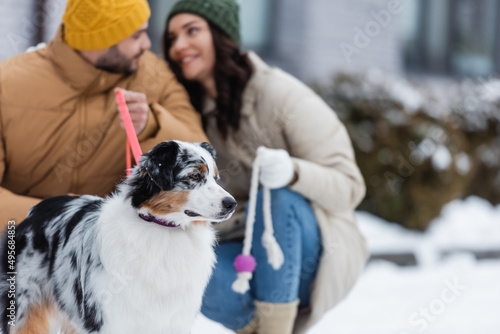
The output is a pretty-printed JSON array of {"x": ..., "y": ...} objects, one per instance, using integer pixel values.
[{"x": 176, "y": 182}]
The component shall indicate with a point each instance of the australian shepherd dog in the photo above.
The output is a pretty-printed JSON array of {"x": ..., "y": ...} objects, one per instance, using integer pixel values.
[{"x": 135, "y": 262}]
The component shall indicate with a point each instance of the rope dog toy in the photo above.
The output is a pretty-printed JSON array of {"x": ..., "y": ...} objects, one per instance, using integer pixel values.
[{"x": 245, "y": 263}]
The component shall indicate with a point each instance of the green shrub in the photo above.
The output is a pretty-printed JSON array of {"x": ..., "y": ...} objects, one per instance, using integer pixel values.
[{"x": 418, "y": 146}]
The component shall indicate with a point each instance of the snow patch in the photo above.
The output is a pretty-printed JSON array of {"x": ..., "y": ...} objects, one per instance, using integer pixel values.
[
  {"x": 441, "y": 158},
  {"x": 462, "y": 163},
  {"x": 472, "y": 224}
]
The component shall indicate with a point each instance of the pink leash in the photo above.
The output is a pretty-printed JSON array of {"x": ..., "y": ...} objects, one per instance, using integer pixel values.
[{"x": 132, "y": 141}]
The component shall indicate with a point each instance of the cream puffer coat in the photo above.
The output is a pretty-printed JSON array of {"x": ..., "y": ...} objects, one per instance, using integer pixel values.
[{"x": 281, "y": 112}]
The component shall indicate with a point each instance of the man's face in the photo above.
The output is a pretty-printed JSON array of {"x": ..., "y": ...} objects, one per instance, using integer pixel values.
[{"x": 124, "y": 57}]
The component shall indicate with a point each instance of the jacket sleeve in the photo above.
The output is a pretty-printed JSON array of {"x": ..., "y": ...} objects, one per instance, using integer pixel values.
[
  {"x": 322, "y": 154},
  {"x": 173, "y": 114},
  {"x": 12, "y": 207}
]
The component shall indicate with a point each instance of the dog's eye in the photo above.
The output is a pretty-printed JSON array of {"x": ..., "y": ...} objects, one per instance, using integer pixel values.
[{"x": 195, "y": 177}]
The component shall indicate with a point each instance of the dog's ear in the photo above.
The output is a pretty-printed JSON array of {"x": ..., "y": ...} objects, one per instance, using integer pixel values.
[
  {"x": 209, "y": 148},
  {"x": 160, "y": 163}
]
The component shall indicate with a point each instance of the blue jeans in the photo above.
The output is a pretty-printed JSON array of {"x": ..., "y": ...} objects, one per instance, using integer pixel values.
[{"x": 297, "y": 233}]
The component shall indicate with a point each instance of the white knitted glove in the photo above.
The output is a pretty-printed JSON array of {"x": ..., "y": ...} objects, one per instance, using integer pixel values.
[{"x": 276, "y": 167}]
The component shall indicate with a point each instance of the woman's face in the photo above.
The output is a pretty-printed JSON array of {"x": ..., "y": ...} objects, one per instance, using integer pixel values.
[{"x": 191, "y": 46}]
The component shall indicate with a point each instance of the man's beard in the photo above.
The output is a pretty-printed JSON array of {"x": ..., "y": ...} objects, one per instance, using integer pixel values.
[{"x": 116, "y": 62}]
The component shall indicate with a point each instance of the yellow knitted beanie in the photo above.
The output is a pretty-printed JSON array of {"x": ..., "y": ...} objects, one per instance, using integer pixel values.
[{"x": 99, "y": 24}]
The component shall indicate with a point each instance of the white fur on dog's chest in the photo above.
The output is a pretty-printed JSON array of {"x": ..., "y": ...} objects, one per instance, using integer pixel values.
[{"x": 175, "y": 261}]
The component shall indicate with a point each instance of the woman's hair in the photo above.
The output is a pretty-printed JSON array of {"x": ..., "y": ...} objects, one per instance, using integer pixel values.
[{"x": 231, "y": 73}]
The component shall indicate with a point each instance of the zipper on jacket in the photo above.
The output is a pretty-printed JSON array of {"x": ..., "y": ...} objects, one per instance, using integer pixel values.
[{"x": 81, "y": 111}]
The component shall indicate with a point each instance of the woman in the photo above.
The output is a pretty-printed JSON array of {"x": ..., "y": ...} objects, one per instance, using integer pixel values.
[{"x": 306, "y": 158}]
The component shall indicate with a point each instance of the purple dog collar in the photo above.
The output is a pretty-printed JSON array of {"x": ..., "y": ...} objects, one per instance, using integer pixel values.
[{"x": 153, "y": 219}]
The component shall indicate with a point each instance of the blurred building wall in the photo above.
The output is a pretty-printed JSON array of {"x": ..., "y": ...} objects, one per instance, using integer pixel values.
[
  {"x": 316, "y": 38},
  {"x": 55, "y": 11},
  {"x": 286, "y": 46},
  {"x": 303, "y": 37},
  {"x": 27, "y": 22},
  {"x": 15, "y": 27}
]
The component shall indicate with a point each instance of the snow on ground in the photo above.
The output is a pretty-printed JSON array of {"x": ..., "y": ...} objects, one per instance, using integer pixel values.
[
  {"x": 460, "y": 296},
  {"x": 452, "y": 294},
  {"x": 472, "y": 224}
]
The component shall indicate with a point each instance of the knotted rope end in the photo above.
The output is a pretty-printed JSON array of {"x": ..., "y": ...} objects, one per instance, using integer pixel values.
[{"x": 275, "y": 255}]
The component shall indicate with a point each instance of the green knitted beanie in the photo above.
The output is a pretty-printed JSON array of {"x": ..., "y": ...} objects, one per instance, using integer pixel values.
[{"x": 222, "y": 13}]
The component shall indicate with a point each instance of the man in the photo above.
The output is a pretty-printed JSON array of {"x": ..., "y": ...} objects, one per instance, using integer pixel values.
[{"x": 60, "y": 130}]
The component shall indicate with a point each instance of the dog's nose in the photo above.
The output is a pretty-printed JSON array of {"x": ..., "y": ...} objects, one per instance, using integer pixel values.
[{"x": 229, "y": 203}]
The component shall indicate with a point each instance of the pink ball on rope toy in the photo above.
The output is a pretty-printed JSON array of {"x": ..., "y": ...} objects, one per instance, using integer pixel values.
[{"x": 245, "y": 263}]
